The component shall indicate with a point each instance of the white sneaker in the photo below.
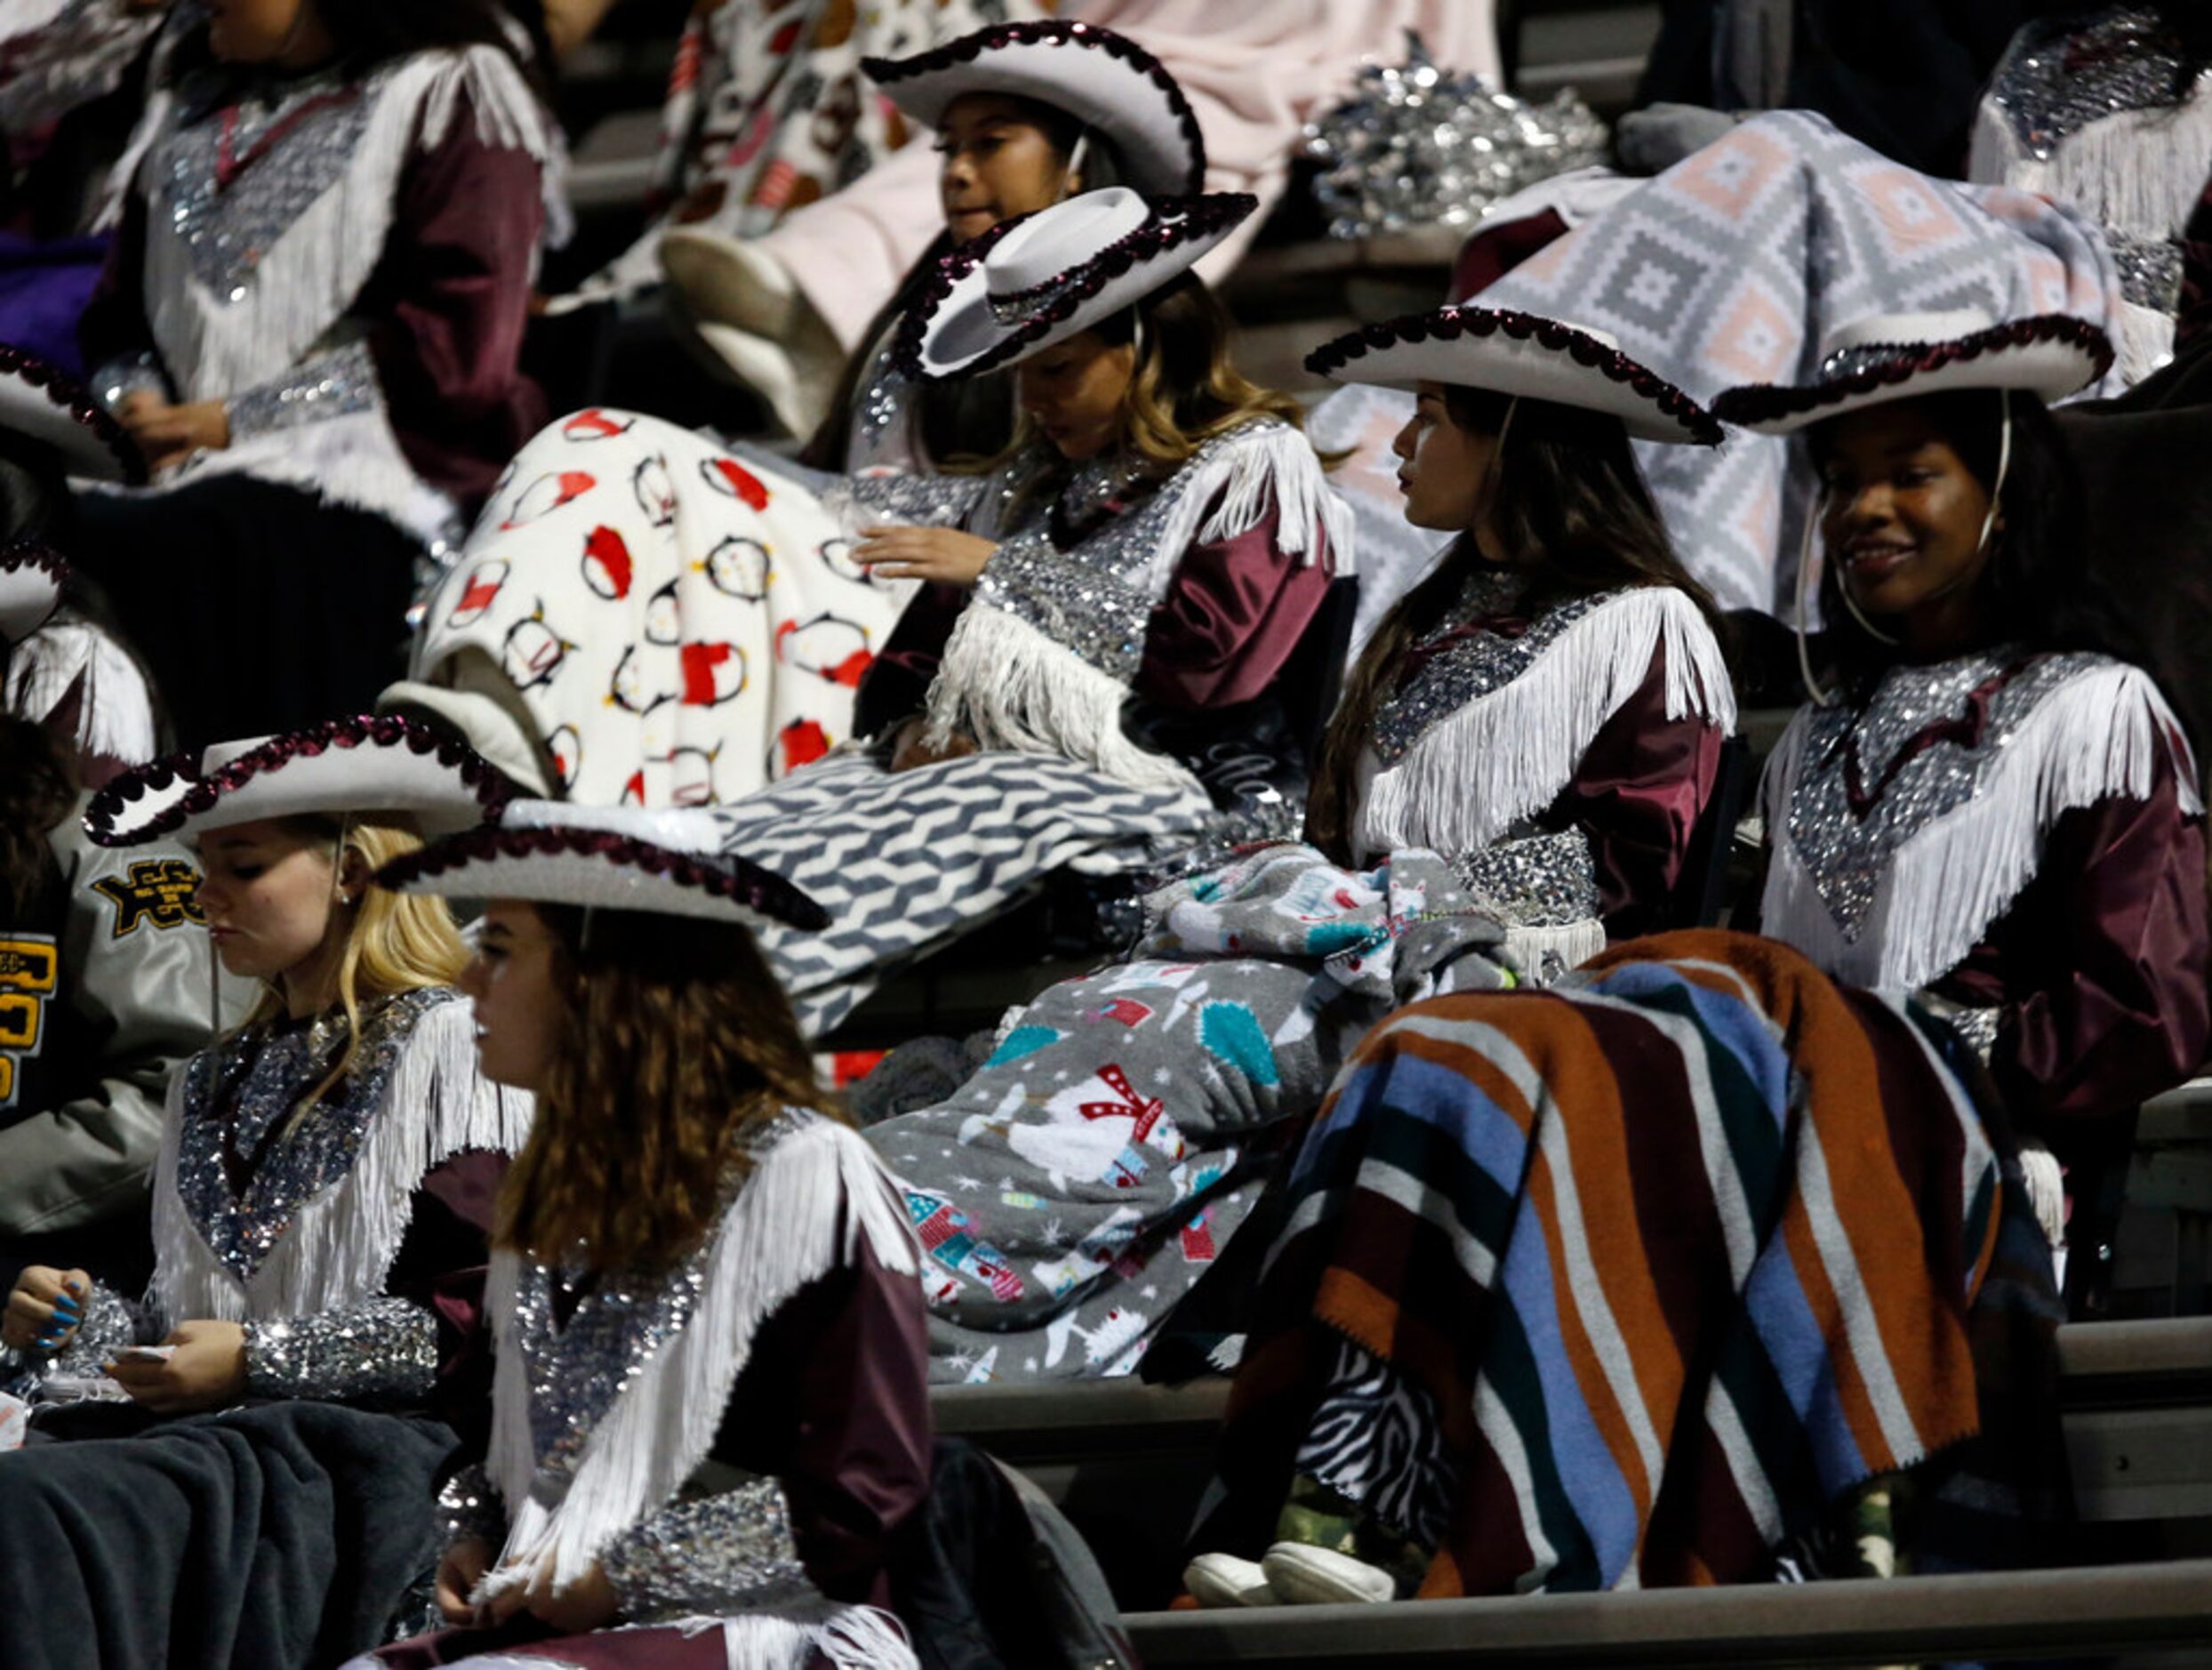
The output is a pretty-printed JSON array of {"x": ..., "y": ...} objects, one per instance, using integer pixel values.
[
  {"x": 1218, "y": 1580},
  {"x": 1302, "y": 1575}
]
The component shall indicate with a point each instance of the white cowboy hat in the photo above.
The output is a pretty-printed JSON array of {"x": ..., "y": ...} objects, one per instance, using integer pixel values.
[
  {"x": 344, "y": 767},
  {"x": 616, "y": 858},
  {"x": 1027, "y": 284},
  {"x": 1520, "y": 354},
  {"x": 1904, "y": 355},
  {"x": 47, "y": 404},
  {"x": 1105, "y": 80},
  {"x": 30, "y": 588}
]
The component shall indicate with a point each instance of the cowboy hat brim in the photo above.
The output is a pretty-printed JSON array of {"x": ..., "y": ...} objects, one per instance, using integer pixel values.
[
  {"x": 1516, "y": 353},
  {"x": 2050, "y": 356},
  {"x": 345, "y": 768},
  {"x": 1104, "y": 80},
  {"x": 44, "y": 404},
  {"x": 951, "y": 332},
  {"x": 552, "y": 858}
]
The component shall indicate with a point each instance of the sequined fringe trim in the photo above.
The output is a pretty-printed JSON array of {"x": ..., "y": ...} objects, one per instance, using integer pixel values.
[
  {"x": 811, "y": 1201},
  {"x": 2095, "y": 736},
  {"x": 1505, "y": 756}
]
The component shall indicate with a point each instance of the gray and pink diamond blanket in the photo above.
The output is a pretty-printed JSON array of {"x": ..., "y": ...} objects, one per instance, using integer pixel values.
[
  {"x": 1734, "y": 265},
  {"x": 1074, "y": 1189}
]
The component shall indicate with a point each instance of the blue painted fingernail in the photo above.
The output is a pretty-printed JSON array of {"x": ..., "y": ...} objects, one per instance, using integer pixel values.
[{"x": 62, "y": 1307}]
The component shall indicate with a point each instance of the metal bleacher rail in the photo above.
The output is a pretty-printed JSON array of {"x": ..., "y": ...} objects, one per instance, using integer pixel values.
[{"x": 1127, "y": 1462}]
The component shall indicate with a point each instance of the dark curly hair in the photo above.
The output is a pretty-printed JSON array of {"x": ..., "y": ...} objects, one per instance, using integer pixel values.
[
  {"x": 675, "y": 1045},
  {"x": 2038, "y": 589}
]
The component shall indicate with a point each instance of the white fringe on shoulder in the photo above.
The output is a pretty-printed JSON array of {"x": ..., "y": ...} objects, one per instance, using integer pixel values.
[
  {"x": 115, "y": 716},
  {"x": 810, "y": 1203},
  {"x": 339, "y": 1246},
  {"x": 1010, "y": 686},
  {"x": 309, "y": 275},
  {"x": 2097, "y": 735},
  {"x": 1266, "y": 464},
  {"x": 1506, "y": 756}
]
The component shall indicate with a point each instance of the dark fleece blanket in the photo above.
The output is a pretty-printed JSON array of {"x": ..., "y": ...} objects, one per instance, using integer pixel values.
[{"x": 274, "y": 1535}]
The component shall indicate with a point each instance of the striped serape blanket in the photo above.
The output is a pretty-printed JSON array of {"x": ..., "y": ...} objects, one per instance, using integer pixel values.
[{"x": 1626, "y": 1283}]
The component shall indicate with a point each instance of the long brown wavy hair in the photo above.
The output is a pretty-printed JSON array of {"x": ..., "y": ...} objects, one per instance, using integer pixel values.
[
  {"x": 1568, "y": 504},
  {"x": 675, "y": 1045},
  {"x": 1185, "y": 387}
]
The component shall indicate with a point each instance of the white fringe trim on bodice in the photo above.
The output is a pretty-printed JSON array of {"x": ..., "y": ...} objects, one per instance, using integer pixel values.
[
  {"x": 2097, "y": 735},
  {"x": 1007, "y": 684},
  {"x": 338, "y": 1249},
  {"x": 1506, "y": 755},
  {"x": 304, "y": 282},
  {"x": 813, "y": 1199}
]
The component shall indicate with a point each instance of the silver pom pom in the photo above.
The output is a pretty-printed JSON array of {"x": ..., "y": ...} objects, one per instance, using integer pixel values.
[{"x": 1419, "y": 145}]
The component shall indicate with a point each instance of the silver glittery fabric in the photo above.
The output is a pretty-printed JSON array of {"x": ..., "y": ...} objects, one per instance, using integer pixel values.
[
  {"x": 1977, "y": 1027},
  {"x": 1097, "y": 596},
  {"x": 1419, "y": 145},
  {"x": 384, "y": 1351},
  {"x": 241, "y": 1095},
  {"x": 288, "y": 143},
  {"x": 1916, "y": 753},
  {"x": 111, "y": 1322},
  {"x": 1546, "y": 880},
  {"x": 2062, "y": 78},
  {"x": 2150, "y": 269},
  {"x": 469, "y": 1505},
  {"x": 1480, "y": 645},
  {"x": 1848, "y": 361},
  {"x": 918, "y": 499},
  {"x": 709, "y": 1556},
  {"x": 327, "y": 386},
  {"x": 882, "y": 404},
  {"x": 618, "y": 1322}
]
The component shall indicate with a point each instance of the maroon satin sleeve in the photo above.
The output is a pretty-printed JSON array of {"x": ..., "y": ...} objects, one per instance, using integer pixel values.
[
  {"x": 2100, "y": 963},
  {"x": 1637, "y": 795},
  {"x": 835, "y": 1404},
  {"x": 441, "y": 1265},
  {"x": 1233, "y": 613},
  {"x": 446, "y": 308}
]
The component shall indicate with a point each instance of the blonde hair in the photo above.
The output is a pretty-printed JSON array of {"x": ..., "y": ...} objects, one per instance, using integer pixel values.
[{"x": 396, "y": 942}]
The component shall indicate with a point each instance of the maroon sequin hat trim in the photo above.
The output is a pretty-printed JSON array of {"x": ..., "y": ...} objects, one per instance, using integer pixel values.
[
  {"x": 1054, "y": 32},
  {"x": 75, "y": 398},
  {"x": 739, "y": 881},
  {"x": 111, "y": 805},
  {"x": 18, "y": 554},
  {"x": 1174, "y": 221},
  {"x": 1449, "y": 325},
  {"x": 1767, "y": 402}
]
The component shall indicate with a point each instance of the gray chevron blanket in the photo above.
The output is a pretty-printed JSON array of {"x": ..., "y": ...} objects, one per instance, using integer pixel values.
[{"x": 904, "y": 862}]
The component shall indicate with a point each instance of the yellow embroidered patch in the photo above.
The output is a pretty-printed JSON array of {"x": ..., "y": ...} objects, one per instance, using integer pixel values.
[{"x": 163, "y": 891}]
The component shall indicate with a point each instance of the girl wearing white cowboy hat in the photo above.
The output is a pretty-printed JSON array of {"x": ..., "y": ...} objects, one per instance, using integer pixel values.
[
  {"x": 1984, "y": 801},
  {"x": 1157, "y": 546},
  {"x": 698, "y": 1269},
  {"x": 319, "y": 1218},
  {"x": 1026, "y": 114},
  {"x": 1513, "y": 766},
  {"x": 631, "y": 543}
]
